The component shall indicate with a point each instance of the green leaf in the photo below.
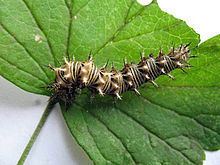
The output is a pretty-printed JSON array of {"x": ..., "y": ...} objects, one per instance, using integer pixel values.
[
  {"x": 168, "y": 125},
  {"x": 124, "y": 29},
  {"x": 163, "y": 126},
  {"x": 32, "y": 35}
]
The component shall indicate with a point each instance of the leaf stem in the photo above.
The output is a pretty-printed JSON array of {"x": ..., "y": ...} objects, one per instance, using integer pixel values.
[{"x": 36, "y": 133}]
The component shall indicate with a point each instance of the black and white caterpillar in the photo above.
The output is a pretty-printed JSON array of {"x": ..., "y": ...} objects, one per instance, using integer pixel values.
[{"x": 74, "y": 75}]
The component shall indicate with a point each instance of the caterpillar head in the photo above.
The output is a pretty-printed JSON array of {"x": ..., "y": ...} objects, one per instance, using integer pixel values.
[{"x": 64, "y": 86}]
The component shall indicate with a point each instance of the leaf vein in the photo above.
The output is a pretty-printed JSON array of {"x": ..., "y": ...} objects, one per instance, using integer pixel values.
[
  {"x": 125, "y": 22},
  {"x": 82, "y": 7},
  {"x": 157, "y": 136},
  {"x": 93, "y": 137},
  {"x": 23, "y": 71},
  {"x": 40, "y": 27},
  {"x": 188, "y": 86},
  {"x": 27, "y": 51},
  {"x": 69, "y": 28},
  {"x": 151, "y": 32},
  {"x": 133, "y": 159},
  {"x": 183, "y": 115}
]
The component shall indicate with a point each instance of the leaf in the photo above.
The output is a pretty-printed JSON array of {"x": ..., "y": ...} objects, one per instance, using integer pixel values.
[
  {"x": 164, "y": 126},
  {"x": 137, "y": 129},
  {"x": 33, "y": 34},
  {"x": 124, "y": 29}
]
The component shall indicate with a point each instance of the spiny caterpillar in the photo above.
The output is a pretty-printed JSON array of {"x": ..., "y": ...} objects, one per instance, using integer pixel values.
[{"x": 75, "y": 75}]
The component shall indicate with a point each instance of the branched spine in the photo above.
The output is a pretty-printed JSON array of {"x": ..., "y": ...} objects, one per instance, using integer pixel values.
[{"x": 75, "y": 75}]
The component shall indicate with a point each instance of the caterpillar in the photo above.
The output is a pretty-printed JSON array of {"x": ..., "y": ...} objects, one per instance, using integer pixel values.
[{"x": 75, "y": 75}]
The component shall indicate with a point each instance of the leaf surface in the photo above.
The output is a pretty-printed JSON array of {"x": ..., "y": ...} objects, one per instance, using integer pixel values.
[{"x": 33, "y": 35}]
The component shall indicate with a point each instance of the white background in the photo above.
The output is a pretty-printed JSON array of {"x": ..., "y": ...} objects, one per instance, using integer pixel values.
[{"x": 20, "y": 111}]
